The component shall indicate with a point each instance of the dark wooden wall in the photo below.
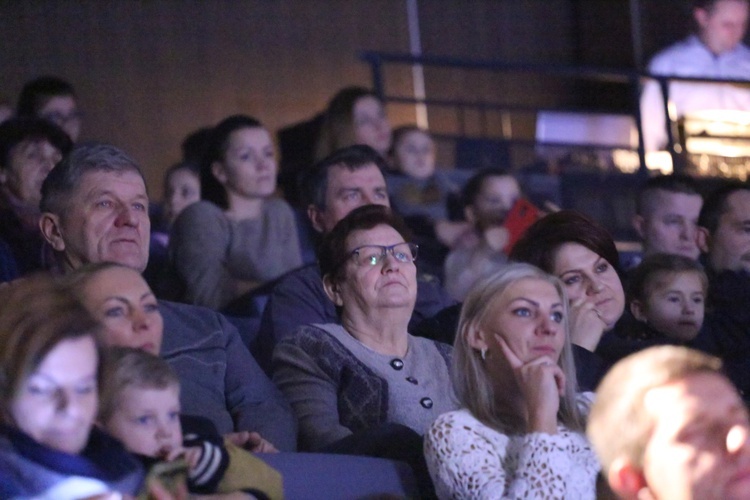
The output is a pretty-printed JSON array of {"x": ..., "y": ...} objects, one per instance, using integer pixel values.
[{"x": 150, "y": 72}]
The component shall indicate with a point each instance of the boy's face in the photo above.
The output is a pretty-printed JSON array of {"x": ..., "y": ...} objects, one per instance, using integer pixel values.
[
  {"x": 675, "y": 305},
  {"x": 147, "y": 421}
]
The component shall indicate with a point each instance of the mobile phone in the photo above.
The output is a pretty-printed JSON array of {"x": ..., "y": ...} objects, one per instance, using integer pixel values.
[
  {"x": 170, "y": 475},
  {"x": 522, "y": 214}
]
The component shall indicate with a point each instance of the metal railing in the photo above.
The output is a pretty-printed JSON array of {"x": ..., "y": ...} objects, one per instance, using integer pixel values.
[{"x": 630, "y": 78}]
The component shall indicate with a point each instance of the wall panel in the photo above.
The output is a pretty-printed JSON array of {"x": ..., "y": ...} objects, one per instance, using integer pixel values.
[{"x": 149, "y": 72}]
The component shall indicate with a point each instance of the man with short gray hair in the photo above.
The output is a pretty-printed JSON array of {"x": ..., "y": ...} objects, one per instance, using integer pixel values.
[{"x": 95, "y": 209}]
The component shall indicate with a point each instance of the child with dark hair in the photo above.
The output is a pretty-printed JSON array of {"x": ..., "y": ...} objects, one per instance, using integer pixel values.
[
  {"x": 667, "y": 295},
  {"x": 488, "y": 197},
  {"x": 140, "y": 406}
]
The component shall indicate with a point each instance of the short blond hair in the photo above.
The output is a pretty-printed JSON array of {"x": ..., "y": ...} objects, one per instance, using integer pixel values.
[
  {"x": 619, "y": 426},
  {"x": 127, "y": 367}
]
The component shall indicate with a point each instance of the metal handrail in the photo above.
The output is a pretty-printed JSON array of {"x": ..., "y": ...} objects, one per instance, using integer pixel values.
[
  {"x": 377, "y": 60},
  {"x": 632, "y": 78}
]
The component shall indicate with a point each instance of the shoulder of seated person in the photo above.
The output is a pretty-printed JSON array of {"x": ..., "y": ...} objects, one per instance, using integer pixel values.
[
  {"x": 187, "y": 312},
  {"x": 276, "y": 203},
  {"x": 200, "y": 209},
  {"x": 670, "y": 59}
]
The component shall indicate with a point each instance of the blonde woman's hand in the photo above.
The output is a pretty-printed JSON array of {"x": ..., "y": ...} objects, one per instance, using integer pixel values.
[
  {"x": 541, "y": 383},
  {"x": 586, "y": 324}
]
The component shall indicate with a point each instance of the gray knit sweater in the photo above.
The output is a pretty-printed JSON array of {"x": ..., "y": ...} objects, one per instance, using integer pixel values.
[
  {"x": 338, "y": 386},
  {"x": 211, "y": 252}
]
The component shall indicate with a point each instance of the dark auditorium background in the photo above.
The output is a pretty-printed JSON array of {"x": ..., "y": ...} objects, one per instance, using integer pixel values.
[{"x": 149, "y": 72}]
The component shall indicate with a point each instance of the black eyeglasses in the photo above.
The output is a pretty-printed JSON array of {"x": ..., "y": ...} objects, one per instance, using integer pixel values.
[{"x": 372, "y": 255}]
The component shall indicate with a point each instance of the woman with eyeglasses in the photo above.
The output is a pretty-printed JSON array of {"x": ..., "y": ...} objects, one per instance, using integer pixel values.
[{"x": 366, "y": 386}]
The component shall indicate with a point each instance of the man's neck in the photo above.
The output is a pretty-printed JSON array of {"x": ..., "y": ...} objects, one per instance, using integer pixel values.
[{"x": 715, "y": 51}]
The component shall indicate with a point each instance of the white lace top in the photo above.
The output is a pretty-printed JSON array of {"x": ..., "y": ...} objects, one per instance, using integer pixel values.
[{"x": 468, "y": 459}]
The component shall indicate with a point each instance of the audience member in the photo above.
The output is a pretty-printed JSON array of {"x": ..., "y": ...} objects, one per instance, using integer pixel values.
[
  {"x": 724, "y": 239},
  {"x": 487, "y": 197},
  {"x": 667, "y": 296},
  {"x": 51, "y": 365},
  {"x": 580, "y": 252},
  {"x": 364, "y": 385},
  {"x": 421, "y": 194},
  {"x": 583, "y": 255},
  {"x": 51, "y": 99},
  {"x": 29, "y": 148},
  {"x": 715, "y": 51},
  {"x": 667, "y": 424},
  {"x": 416, "y": 187},
  {"x": 95, "y": 209},
  {"x": 182, "y": 188},
  {"x": 240, "y": 236},
  {"x": 722, "y": 234},
  {"x": 355, "y": 115},
  {"x": 349, "y": 178},
  {"x": 141, "y": 408},
  {"x": 520, "y": 433},
  {"x": 666, "y": 219},
  {"x": 121, "y": 300}
]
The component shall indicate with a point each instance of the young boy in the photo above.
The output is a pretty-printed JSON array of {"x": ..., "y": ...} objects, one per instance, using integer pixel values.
[
  {"x": 140, "y": 406},
  {"x": 667, "y": 296}
]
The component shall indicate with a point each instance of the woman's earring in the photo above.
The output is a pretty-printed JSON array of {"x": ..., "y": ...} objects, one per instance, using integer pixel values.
[{"x": 483, "y": 353}]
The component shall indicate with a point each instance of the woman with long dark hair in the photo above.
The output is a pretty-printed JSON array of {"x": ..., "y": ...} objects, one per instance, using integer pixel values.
[{"x": 240, "y": 236}]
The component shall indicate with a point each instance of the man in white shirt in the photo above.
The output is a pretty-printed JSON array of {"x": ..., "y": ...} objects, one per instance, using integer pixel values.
[{"x": 715, "y": 51}]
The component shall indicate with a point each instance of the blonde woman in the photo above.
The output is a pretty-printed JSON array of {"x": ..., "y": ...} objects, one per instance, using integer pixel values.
[{"x": 520, "y": 433}]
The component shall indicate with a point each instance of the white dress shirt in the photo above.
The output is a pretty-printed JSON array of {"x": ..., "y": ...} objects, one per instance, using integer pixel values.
[{"x": 691, "y": 58}]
